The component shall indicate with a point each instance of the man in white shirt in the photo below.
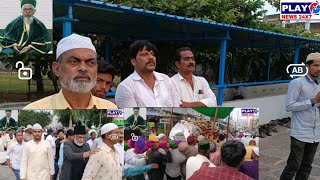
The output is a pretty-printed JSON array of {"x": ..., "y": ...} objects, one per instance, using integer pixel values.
[
  {"x": 145, "y": 87},
  {"x": 193, "y": 91},
  {"x": 194, "y": 163},
  {"x": 106, "y": 163},
  {"x": 52, "y": 141},
  {"x": 119, "y": 147},
  {"x": 14, "y": 154},
  {"x": 37, "y": 160},
  {"x": 93, "y": 136}
]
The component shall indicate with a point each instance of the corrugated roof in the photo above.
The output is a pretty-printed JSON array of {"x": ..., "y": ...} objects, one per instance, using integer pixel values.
[{"x": 124, "y": 23}]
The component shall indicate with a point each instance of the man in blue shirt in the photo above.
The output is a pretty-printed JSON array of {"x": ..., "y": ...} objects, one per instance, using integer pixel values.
[{"x": 303, "y": 100}]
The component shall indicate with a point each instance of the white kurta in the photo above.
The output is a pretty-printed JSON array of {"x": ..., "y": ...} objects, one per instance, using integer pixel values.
[
  {"x": 134, "y": 159},
  {"x": 104, "y": 165},
  {"x": 194, "y": 163},
  {"x": 1, "y": 145},
  {"x": 120, "y": 150},
  {"x": 37, "y": 161},
  {"x": 90, "y": 142},
  {"x": 52, "y": 142}
]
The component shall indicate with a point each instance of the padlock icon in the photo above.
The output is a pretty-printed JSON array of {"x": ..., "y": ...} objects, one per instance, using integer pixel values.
[
  {"x": 134, "y": 137},
  {"x": 24, "y": 73}
]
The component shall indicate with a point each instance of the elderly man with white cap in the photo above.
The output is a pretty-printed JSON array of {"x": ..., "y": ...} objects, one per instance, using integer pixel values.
[
  {"x": 303, "y": 100},
  {"x": 28, "y": 136},
  {"x": 76, "y": 68},
  {"x": 106, "y": 163},
  {"x": 37, "y": 159}
]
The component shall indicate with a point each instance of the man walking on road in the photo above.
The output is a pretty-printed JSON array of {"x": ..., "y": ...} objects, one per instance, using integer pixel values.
[
  {"x": 14, "y": 154},
  {"x": 303, "y": 100},
  {"x": 37, "y": 159}
]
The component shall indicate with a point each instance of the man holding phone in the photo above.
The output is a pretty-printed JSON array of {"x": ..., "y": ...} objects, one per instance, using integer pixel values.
[{"x": 303, "y": 100}]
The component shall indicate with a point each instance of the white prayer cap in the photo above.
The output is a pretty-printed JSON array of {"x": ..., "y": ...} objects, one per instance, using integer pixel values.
[
  {"x": 313, "y": 56},
  {"x": 108, "y": 127},
  {"x": 201, "y": 138},
  {"x": 74, "y": 41},
  {"x": 256, "y": 150},
  {"x": 161, "y": 135},
  {"x": 29, "y": 126},
  {"x": 37, "y": 126}
]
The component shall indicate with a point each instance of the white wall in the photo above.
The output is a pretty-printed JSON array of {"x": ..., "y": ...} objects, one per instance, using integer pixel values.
[
  {"x": 11, "y": 9},
  {"x": 270, "y": 108}
]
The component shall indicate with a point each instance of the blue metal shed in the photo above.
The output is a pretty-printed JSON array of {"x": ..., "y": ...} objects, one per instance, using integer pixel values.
[{"x": 123, "y": 23}]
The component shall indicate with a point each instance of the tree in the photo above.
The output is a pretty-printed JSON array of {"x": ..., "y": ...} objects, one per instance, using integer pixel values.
[
  {"x": 250, "y": 64},
  {"x": 86, "y": 117},
  {"x": 31, "y": 117}
]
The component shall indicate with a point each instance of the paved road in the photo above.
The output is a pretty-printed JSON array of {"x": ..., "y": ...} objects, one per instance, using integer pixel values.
[
  {"x": 275, "y": 150},
  {"x": 5, "y": 172}
]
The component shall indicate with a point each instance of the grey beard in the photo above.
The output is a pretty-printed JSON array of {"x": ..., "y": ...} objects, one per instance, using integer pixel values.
[
  {"x": 28, "y": 20},
  {"x": 78, "y": 144},
  {"x": 79, "y": 87}
]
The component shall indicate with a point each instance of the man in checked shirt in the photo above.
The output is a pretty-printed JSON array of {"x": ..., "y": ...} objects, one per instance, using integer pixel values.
[{"x": 303, "y": 100}]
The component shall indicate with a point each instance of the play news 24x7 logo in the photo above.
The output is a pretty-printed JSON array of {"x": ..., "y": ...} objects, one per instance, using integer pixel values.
[
  {"x": 249, "y": 111},
  {"x": 115, "y": 113},
  {"x": 297, "y": 70},
  {"x": 299, "y": 9}
]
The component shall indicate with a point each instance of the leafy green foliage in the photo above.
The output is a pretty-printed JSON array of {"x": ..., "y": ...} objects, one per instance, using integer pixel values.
[
  {"x": 26, "y": 117},
  {"x": 90, "y": 117}
]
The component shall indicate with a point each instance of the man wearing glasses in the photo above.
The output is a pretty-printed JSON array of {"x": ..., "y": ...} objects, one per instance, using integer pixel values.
[
  {"x": 105, "y": 77},
  {"x": 26, "y": 34}
]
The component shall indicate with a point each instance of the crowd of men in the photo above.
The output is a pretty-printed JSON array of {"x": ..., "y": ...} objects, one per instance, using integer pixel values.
[
  {"x": 192, "y": 157},
  {"x": 85, "y": 82},
  {"x": 64, "y": 154}
]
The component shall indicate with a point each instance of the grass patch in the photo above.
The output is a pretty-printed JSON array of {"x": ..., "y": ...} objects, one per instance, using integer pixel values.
[{"x": 10, "y": 83}]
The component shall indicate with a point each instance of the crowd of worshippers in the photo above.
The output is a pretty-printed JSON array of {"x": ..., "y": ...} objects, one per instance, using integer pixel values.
[
  {"x": 66, "y": 154},
  {"x": 194, "y": 158}
]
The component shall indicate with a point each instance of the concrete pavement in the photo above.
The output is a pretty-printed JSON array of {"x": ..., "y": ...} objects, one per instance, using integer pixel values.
[
  {"x": 274, "y": 152},
  {"x": 5, "y": 172}
]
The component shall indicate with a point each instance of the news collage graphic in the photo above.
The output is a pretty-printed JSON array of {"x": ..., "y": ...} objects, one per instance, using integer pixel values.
[{"x": 143, "y": 133}]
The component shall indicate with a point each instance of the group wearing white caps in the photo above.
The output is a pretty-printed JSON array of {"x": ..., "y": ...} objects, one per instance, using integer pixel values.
[{"x": 43, "y": 167}]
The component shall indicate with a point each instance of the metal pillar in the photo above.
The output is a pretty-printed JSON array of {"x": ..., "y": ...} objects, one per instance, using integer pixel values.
[
  {"x": 269, "y": 65},
  {"x": 232, "y": 65},
  {"x": 223, "y": 51},
  {"x": 67, "y": 24}
]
